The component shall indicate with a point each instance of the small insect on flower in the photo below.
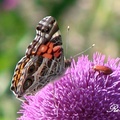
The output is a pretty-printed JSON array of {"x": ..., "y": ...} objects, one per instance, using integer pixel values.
[{"x": 104, "y": 69}]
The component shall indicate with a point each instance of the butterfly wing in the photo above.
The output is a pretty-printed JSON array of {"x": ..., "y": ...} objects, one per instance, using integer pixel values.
[{"x": 43, "y": 61}]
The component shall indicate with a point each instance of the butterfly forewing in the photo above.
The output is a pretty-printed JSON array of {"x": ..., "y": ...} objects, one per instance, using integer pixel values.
[{"x": 45, "y": 30}]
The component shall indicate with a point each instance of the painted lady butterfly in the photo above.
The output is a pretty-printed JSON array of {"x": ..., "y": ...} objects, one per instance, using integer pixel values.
[{"x": 43, "y": 61}]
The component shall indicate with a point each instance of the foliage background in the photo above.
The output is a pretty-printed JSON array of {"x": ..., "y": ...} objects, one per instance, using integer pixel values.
[{"x": 90, "y": 21}]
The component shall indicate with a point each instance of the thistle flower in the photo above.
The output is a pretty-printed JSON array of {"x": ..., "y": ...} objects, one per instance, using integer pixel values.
[{"x": 82, "y": 93}]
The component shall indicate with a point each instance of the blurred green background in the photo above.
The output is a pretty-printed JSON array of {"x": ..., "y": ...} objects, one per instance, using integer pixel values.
[{"x": 90, "y": 21}]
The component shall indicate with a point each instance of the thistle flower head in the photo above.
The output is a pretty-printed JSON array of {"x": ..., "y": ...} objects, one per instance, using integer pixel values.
[{"x": 82, "y": 93}]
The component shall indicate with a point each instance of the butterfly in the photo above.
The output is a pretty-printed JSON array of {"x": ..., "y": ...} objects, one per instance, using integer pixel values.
[{"x": 43, "y": 62}]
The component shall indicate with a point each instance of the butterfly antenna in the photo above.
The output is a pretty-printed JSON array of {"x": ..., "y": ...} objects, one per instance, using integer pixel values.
[
  {"x": 66, "y": 46},
  {"x": 84, "y": 51}
]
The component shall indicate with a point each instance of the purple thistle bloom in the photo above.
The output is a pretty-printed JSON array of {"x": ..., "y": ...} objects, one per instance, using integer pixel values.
[{"x": 80, "y": 94}]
